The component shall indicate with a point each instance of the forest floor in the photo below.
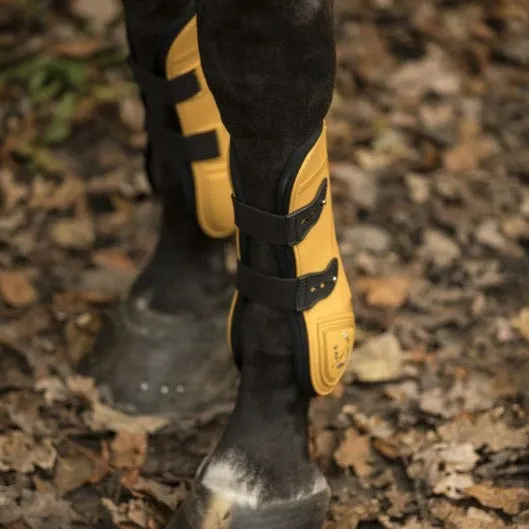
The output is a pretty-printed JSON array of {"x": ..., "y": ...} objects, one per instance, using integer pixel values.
[{"x": 429, "y": 135}]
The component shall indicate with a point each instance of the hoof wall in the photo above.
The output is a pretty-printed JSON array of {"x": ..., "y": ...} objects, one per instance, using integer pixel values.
[
  {"x": 205, "y": 509},
  {"x": 150, "y": 363}
]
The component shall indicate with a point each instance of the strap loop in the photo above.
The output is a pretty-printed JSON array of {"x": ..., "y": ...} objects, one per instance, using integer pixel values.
[
  {"x": 284, "y": 230},
  {"x": 171, "y": 91},
  {"x": 296, "y": 294}
]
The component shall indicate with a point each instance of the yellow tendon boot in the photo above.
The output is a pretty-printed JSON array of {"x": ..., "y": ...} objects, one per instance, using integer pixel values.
[
  {"x": 313, "y": 289},
  {"x": 195, "y": 143}
]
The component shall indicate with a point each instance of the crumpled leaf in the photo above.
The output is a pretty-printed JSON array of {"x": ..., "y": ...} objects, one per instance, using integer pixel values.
[
  {"x": 386, "y": 292},
  {"x": 141, "y": 487},
  {"x": 23, "y": 453},
  {"x": 349, "y": 516},
  {"x": 128, "y": 450},
  {"x": 134, "y": 512},
  {"x": 16, "y": 289},
  {"x": 378, "y": 360},
  {"x": 80, "y": 466},
  {"x": 37, "y": 510},
  {"x": 475, "y": 393},
  {"x": 509, "y": 500},
  {"x": 53, "y": 388},
  {"x": 485, "y": 430},
  {"x": 355, "y": 451},
  {"x": 445, "y": 467},
  {"x": 103, "y": 417},
  {"x": 521, "y": 323},
  {"x": 77, "y": 233},
  {"x": 455, "y": 517}
]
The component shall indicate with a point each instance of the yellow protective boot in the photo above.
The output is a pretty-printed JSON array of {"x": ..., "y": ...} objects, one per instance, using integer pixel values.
[{"x": 313, "y": 289}]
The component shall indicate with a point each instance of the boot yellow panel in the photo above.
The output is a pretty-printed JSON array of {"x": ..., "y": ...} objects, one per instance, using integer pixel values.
[
  {"x": 200, "y": 114},
  {"x": 330, "y": 323}
]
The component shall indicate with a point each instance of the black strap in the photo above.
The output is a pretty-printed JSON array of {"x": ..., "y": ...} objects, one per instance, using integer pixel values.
[
  {"x": 285, "y": 230},
  {"x": 296, "y": 294},
  {"x": 194, "y": 148},
  {"x": 171, "y": 91}
]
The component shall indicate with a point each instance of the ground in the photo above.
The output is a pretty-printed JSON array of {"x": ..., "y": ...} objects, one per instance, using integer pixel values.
[{"x": 430, "y": 162}]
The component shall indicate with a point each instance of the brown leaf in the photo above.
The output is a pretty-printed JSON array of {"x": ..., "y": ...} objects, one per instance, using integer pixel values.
[
  {"x": 521, "y": 323},
  {"x": 355, "y": 451},
  {"x": 77, "y": 233},
  {"x": 455, "y": 517},
  {"x": 378, "y": 360},
  {"x": 462, "y": 158},
  {"x": 129, "y": 450},
  {"x": 123, "y": 515},
  {"x": 16, "y": 289},
  {"x": 386, "y": 292},
  {"x": 83, "y": 387},
  {"x": 114, "y": 259},
  {"x": 141, "y": 487},
  {"x": 80, "y": 466},
  {"x": 78, "y": 48},
  {"x": 508, "y": 500},
  {"x": 445, "y": 467},
  {"x": 105, "y": 418},
  {"x": 23, "y": 453},
  {"x": 484, "y": 431}
]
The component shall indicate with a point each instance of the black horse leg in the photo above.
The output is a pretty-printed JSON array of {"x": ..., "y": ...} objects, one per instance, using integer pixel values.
[
  {"x": 163, "y": 350},
  {"x": 271, "y": 66}
]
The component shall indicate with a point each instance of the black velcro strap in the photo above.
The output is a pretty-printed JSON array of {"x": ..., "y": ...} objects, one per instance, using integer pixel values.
[
  {"x": 194, "y": 148},
  {"x": 285, "y": 230},
  {"x": 175, "y": 90},
  {"x": 296, "y": 294},
  {"x": 202, "y": 146}
]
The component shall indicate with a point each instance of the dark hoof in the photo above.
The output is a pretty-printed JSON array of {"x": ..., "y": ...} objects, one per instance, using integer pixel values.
[
  {"x": 151, "y": 363},
  {"x": 205, "y": 509}
]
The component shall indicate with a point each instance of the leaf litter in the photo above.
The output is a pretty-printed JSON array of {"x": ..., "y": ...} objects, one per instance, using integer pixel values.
[{"x": 428, "y": 139}]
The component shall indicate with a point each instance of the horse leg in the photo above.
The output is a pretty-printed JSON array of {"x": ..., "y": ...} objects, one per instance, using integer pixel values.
[
  {"x": 271, "y": 66},
  {"x": 163, "y": 350}
]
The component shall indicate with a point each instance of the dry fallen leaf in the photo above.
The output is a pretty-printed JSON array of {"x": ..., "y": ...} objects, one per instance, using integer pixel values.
[
  {"x": 135, "y": 513},
  {"x": 445, "y": 467},
  {"x": 114, "y": 259},
  {"x": 103, "y": 417},
  {"x": 484, "y": 431},
  {"x": 387, "y": 292},
  {"x": 521, "y": 323},
  {"x": 509, "y": 500},
  {"x": 455, "y": 517},
  {"x": 77, "y": 233},
  {"x": 16, "y": 289},
  {"x": 378, "y": 360},
  {"x": 80, "y": 467},
  {"x": 355, "y": 451},
  {"x": 129, "y": 450},
  {"x": 23, "y": 453},
  {"x": 83, "y": 387},
  {"x": 141, "y": 487}
]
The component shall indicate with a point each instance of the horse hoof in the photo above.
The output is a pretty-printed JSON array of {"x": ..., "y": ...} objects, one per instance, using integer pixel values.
[
  {"x": 205, "y": 509},
  {"x": 149, "y": 363}
]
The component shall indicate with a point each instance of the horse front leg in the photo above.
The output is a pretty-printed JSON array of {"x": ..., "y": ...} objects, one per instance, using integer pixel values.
[
  {"x": 163, "y": 349},
  {"x": 271, "y": 66}
]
